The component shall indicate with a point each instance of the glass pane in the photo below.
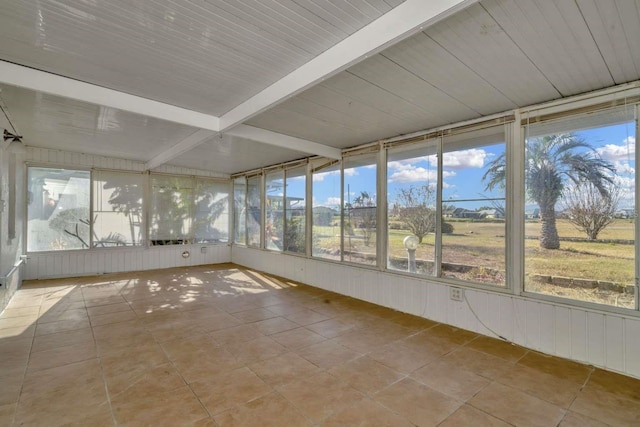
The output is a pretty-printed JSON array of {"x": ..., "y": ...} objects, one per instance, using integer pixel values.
[
  {"x": 171, "y": 210},
  {"x": 58, "y": 209},
  {"x": 117, "y": 209},
  {"x": 359, "y": 210},
  {"x": 326, "y": 212},
  {"x": 274, "y": 210},
  {"x": 581, "y": 208},
  {"x": 473, "y": 207},
  {"x": 239, "y": 210},
  {"x": 254, "y": 211},
  {"x": 212, "y": 212},
  {"x": 412, "y": 178},
  {"x": 295, "y": 210}
]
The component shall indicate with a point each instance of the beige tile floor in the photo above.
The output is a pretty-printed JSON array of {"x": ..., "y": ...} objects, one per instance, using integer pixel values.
[{"x": 225, "y": 346}]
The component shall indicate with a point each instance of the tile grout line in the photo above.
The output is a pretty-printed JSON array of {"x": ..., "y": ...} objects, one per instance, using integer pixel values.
[
  {"x": 102, "y": 373},
  {"x": 26, "y": 367},
  {"x": 582, "y": 387}
]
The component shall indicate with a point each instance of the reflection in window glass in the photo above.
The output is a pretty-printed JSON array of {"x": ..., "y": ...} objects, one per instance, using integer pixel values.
[
  {"x": 211, "y": 222},
  {"x": 412, "y": 178},
  {"x": 295, "y": 210},
  {"x": 239, "y": 210},
  {"x": 254, "y": 210},
  {"x": 473, "y": 207},
  {"x": 359, "y": 210},
  {"x": 58, "y": 209},
  {"x": 580, "y": 212},
  {"x": 118, "y": 209},
  {"x": 274, "y": 210},
  {"x": 326, "y": 210},
  {"x": 171, "y": 210}
]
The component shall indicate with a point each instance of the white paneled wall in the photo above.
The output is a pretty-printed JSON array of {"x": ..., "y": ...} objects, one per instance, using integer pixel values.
[
  {"x": 610, "y": 341},
  {"x": 11, "y": 243},
  {"x": 49, "y": 265}
]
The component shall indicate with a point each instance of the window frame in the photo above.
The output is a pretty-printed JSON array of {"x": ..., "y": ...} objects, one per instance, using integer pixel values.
[
  {"x": 199, "y": 179},
  {"x": 318, "y": 166},
  {"x": 569, "y": 110},
  {"x": 146, "y": 201},
  {"x": 500, "y": 129},
  {"x": 25, "y": 227},
  {"x": 305, "y": 166}
]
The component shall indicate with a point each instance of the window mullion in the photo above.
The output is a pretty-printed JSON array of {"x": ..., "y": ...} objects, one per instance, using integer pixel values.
[
  {"x": 382, "y": 224},
  {"x": 308, "y": 226},
  {"x": 342, "y": 211},
  {"x": 437, "y": 263},
  {"x": 515, "y": 205},
  {"x": 636, "y": 217},
  {"x": 285, "y": 244}
]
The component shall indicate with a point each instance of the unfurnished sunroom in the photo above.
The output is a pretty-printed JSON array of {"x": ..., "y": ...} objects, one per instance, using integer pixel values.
[{"x": 468, "y": 164}]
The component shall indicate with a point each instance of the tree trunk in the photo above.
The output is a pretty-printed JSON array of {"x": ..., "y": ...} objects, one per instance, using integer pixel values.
[{"x": 548, "y": 232}]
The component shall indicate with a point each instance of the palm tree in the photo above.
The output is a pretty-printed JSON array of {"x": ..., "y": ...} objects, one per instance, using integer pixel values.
[{"x": 550, "y": 161}]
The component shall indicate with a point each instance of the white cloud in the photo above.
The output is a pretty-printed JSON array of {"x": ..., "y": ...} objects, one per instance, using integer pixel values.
[
  {"x": 624, "y": 168},
  {"x": 332, "y": 201},
  {"x": 319, "y": 177},
  {"x": 614, "y": 152},
  {"x": 472, "y": 158},
  {"x": 413, "y": 175},
  {"x": 405, "y": 173},
  {"x": 627, "y": 186}
]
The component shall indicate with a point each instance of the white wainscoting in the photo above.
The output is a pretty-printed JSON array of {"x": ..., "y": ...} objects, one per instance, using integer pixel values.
[
  {"x": 48, "y": 265},
  {"x": 610, "y": 341}
]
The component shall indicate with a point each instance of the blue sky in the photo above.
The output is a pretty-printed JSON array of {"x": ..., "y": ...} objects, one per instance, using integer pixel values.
[{"x": 463, "y": 170}]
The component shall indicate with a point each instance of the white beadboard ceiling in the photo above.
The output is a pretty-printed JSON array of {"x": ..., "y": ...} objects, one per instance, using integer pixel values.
[{"x": 211, "y": 59}]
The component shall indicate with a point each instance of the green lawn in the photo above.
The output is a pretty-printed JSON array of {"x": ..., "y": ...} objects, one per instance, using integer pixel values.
[{"x": 483, "y": 244}]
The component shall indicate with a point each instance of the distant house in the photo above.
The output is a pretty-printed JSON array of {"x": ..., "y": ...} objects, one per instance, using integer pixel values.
[
  {"x": 625, "y": 213},
  {"x": 466, "y": 213},
  {"x": 492, "y": 213},
  {"x": 323, "y": 215},
  {"x": 532, "y": 214}
]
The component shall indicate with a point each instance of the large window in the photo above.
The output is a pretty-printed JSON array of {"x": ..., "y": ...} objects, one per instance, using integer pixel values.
[
  {"x": 412, "y": 185},
  {"x": 474, "y": 206},
  {"x": 254, "y": 210},
  {"x": 58, "y": 209},
  {"x": 211, "y": 212},
  {"x": 295, "y": 210},
  {"x": 64, "y": 213},
  {"x": 118, "y": 209},
  {"x": 580, "y": 212},
  {"x": 359, "y": 209},
  {"x": 186, "y": 210},
  {"x": 274, "y": 210},
  {"x": 240, "y": 210},
  {"x": 171, "y": 210},
  {"x": 326, "y": 210}
]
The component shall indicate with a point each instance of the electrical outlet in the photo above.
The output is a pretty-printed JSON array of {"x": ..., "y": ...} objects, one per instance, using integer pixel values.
[
  {"x": 203, "y": 250},
  {"x": 456, "y": 294}
]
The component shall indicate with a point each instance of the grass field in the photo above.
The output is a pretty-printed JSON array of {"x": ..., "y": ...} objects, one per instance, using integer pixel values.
[{"x": 483, "y": 244}]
